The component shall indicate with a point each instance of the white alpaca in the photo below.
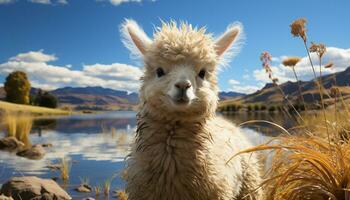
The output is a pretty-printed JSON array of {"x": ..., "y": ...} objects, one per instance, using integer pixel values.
[{"x": 181, "y": 147}]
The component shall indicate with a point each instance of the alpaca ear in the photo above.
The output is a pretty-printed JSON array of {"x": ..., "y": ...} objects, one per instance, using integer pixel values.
[
  {"x": 224, "y": 43},
  {"x": 134, "y": 38}
]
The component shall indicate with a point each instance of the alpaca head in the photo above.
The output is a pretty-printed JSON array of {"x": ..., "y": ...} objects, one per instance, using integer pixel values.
[{"x": 180, "y": 67}]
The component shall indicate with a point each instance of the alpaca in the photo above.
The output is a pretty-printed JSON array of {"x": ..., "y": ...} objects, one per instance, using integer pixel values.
[{"x": 181, "y": 146}]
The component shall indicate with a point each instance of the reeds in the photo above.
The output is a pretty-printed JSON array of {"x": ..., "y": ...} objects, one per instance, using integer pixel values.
[
  {"x": 314, "y": 162},
  {"x": 292, "y": 62},
  {"x": 19, "y": 126},
  {"x": 98, "y": 189},
  {"x": 106, "y": 187},
  {"x": 65, "y": 168}
]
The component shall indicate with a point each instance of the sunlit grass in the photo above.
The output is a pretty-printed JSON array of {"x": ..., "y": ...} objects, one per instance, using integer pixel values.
[
  {"x": 65, "y": 168},
  {"x": 33, "y": 110},
  {"x": 121, "y": 195},
  {"x": 311, "y": 160},
  {"x": 84, "y": 181},
  {"x": 106, "y": 187},
  {"x": 98, "y": 190},
  {"x": 18, "y": 126}
]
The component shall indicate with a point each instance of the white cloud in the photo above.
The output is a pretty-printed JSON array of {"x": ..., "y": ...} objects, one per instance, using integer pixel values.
[
  {"x": 62, "y": 1},
  {"x": 118, "y": 2},
  {"x": 236, "y": 86},
  {"x": 246, "y": 76},
  {"x": 233, "y": 82},
  {"x": 49, "y": 2},
  {"x": 33, "y": 57},
  {"x": 340, "y": 57},
  {"x": 6, "y": 1},
  {"x": 48, "y": 76},
  {"x": 41, "y": 1}
]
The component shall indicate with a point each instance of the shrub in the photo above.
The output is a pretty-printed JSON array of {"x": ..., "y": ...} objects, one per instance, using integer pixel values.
[
  {"x": 46, "y": 100},
  {"x": 262, "y": 107},
  {"x": 17, "y": 87},
  {"x": 256, "y": 107},
  {"x": 272, "y": 108},
  {"x": 249, "y": 107}
]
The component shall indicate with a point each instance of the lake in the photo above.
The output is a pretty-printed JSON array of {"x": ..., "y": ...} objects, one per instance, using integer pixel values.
[{"x": 96, "y": 145}]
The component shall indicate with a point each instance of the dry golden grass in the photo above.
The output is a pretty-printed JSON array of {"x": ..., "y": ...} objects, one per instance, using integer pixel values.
[
  {"x": 65, "y": 168},
  {"x": 33, "y": 110},
  {"x": 314, "y": 163},
  {"x": 18, "y": 126},
  {"x": 98, "y": 189},
  {"x": 106, "y": 187},
  {"x": 308, "y": 168},
  {"x": 121, "y": 195}
]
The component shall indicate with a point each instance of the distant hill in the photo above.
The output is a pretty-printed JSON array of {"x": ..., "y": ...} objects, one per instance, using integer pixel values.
[
  {"x": 90, "y": 98},
  {"x": 271, "y": 94},
  {"x": 230, "y": 95},
  {"x": 95, "y": 98}
]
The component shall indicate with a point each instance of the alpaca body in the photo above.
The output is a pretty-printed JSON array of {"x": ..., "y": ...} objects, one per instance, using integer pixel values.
[
  {"x": 181, "y": 147},
  {"x": 187, "y": 160}
]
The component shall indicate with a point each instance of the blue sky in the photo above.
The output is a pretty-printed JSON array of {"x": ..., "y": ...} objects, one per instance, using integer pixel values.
[{"x": 77, "y": 42}]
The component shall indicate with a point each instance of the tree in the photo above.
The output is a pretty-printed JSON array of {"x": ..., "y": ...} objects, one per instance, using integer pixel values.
[
  {"x": 17, "y": 87},
  {"x": 46, "y": 99}
]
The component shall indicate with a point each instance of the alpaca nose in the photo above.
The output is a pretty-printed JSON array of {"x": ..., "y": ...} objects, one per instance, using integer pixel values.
[{"x": 183, "y": 85}]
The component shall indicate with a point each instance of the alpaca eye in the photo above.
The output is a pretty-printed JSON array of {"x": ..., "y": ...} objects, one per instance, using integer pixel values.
[
  {"x": 201, "y": 74},
  {"x": 160, "y": 72}
]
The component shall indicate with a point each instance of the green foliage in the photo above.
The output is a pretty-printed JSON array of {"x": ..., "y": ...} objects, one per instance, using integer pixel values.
[
  {"x": 272, "y": 108},
  {"x": 17, "y": 87},
  {"x": 45, "y": 99},
  {"x": 263, "y": 107},
  {"x": 249, "y": 107},
  {"x": 256, "y": 107}
]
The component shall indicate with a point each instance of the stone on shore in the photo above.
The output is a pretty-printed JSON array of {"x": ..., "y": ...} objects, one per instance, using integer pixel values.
[{"x": 31, "y": 187}]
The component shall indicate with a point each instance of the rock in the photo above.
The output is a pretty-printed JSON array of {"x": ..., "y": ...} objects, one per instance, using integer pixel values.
[
  {"x": 36, "y": 152},
  {"x": 10, "y": 144},
  {"x": 31, "y": 187},
  {"x": 88, "y": 198},
  {"x": 83, "y": 188},
  {"x": 48, "y": 145},
  {"x": 2, "y": 197}
]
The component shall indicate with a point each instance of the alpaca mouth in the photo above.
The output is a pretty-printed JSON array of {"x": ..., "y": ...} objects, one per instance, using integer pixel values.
[{"x": 181, "y": 101}]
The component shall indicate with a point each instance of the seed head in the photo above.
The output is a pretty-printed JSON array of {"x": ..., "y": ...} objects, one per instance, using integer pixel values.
[
  {"x": 298, "y": 28},
  {"x": 329, "y": 65},
  {"x": 291, "y": 61},
  {"x": 335, "y": 91},
  {"x": 319, "y": 49}
]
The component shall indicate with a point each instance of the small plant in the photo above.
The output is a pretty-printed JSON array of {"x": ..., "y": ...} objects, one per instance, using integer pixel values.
[
  {"x": 98, "y": 189},
  {"x": 249, "y": 107},
  {"x": 121, "y": 195},
  {"x": 19, "y": 126},
  {"x": 272, "y": 108},
  {"x": 107, "y": 187},
  {"x": 84, "y": 181},
  {"x": 65, "y": 168},
  {"x": 256, "y": 107}
]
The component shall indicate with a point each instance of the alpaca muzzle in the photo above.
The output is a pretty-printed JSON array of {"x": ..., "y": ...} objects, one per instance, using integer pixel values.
[{"x": 182, "y": 88}]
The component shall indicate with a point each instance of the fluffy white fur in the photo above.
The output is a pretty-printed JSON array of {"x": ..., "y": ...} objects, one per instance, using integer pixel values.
[{"x": 180, "y": 150}]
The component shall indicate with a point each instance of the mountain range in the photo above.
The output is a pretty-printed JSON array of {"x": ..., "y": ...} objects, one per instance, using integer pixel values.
[
  {"x": 99, "y": 98},
  {"x": 310, "y": 91}
]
